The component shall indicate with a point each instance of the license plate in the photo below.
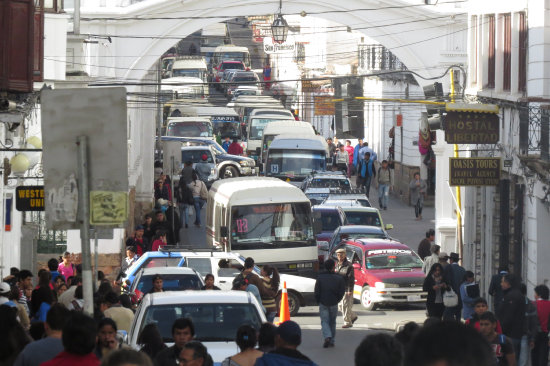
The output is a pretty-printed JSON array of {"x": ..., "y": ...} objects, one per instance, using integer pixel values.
[
  {"x": 414, "y": 298},
  {"x": 292, "y": 266}
]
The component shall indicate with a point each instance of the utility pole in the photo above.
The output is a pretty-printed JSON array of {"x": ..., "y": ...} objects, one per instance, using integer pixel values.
[
  {"x": 159, "y": 109},
  {"x": 458, "y": 194}
]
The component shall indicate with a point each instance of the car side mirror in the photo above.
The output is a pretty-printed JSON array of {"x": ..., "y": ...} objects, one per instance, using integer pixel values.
[
  {"x": 122, "y": 336},
  {"x": 224, "y": 231},
  {"x": 322, "y": 245},
  {"x": 389, "y": 226}
]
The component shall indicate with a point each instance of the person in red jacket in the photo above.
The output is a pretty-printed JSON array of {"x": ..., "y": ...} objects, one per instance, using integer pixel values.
[
  {"x": 480, "y": 307},
  {"x": 79, "y": 340},
  {"x": 539, "y": 354},
  {"x": 235, "y": 148}
]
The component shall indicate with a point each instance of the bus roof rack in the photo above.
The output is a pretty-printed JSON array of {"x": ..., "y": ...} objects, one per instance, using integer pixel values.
[{"x": 343, "y": 191}]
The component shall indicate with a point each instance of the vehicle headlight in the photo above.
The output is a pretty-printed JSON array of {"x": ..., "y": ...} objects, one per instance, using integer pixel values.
[
  {"x": 245, "y": 162},
  {"x": 385, "y": 285}
]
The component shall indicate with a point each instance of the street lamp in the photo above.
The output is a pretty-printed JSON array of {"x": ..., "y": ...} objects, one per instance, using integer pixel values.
[{"x": 279, "y": 27}]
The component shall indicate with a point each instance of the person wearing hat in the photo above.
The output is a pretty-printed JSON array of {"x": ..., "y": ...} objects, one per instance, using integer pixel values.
[
  {"x": 287, "y": 340},
  {"x": 203, "y": 168},
  {"x": 342, "y": 159},
  {"x": 444, "y": 259},
  {"x": 453, "y": 275},
  {"x": 138, "y": 241},
  {"x": 345, "y": 269},
  {"x": 432, "y": 259},
  {"x": 5, "y": 290}
]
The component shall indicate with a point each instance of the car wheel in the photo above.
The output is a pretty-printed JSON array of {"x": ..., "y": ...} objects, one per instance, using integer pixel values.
[
  {"x": 293, "y": 303},
  {"x": 366, "y": 299},
  {"x": 230, "y": 172}
]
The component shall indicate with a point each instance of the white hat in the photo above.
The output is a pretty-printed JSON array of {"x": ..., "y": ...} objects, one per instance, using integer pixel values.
[{"x": 4, "y": 288}]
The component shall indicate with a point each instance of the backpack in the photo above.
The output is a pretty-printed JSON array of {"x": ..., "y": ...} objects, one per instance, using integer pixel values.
[{"x": 185, "y": 195}]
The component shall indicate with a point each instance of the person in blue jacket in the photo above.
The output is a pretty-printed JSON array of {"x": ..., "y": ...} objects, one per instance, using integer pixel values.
[
  {"x": 287, "y": 340},
  {"x": 356, "y": 152}
]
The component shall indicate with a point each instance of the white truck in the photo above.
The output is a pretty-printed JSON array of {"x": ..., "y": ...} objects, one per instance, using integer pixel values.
[{"x": 190, "y": 66}]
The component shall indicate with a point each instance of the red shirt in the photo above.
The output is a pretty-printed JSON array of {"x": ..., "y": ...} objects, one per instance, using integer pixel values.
[
  {"x": 476, "y": 325},
  {"x": 543, "y": 312},
  {"x": 349, "y": 150},
  {"x": 157, "y": 244},
  {"x": 235, "y": 149},
  {"x": 70, "y": 359}
]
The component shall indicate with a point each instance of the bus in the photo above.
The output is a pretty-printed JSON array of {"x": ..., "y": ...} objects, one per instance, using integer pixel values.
[
  {"x": 198, "y": 127},
  {"x": 263, "y": 218},
  {"x": 255, "y": 131},
  {"x": 231, "y": 52},
  {"x": 292, "y": 157},
  {"x": 225, "y": 121},
  {"x": 273, "y": 129}
]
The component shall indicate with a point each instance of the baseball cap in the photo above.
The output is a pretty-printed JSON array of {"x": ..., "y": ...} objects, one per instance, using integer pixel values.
[
  {"x": 290, "y": 332},
  {"x": 140, "y": 227},
  {"x": 204, "y": 157},
  {"x": 443, "y": 255},
  {"x": 4, "y": 288},
  {"x": 340, "y": 250}
]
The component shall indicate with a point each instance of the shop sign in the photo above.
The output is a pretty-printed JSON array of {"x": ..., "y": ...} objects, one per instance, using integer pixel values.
[
  {"x": 29, "y": 198},
  {"x": 324, "y": 106},
  {"x": 471, "y": 128},
  {"x": 474, "y": 171}
]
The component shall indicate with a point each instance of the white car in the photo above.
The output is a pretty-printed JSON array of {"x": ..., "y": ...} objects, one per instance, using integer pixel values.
[
  {"x": 216, "y": 316},
  {"x": 300, "y": 289},
  {"x": 173, "y": 278}
]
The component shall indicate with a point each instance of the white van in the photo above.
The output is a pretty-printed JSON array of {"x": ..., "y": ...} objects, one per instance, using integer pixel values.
[
  {"x": 185, "y": 87},
  {"x": 199, "y": 127},
  {"x": 263, "y": 218},
  {"x": 255, "y": 133},
  {"x": 190, "y": 66},
  {"x": 231, "y": 52},
  {"x": 273, "y": 129}
]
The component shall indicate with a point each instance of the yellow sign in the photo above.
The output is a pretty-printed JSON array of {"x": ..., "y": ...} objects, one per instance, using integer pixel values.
[
  {"x": 29, "y": 198},
  {"x": 108, "y": 208},
  {"x": 324, "y": 106}
]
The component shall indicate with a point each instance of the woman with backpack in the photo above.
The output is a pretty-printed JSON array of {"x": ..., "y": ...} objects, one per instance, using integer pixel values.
[{"x": 185, "y": 199}]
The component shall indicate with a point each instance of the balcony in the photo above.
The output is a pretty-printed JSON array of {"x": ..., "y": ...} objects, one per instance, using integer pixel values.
[{"x": 534, "y": 136}]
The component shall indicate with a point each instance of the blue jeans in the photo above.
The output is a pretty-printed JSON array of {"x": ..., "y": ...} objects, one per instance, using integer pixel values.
[
  {"x": 524, "y": 352},
  {"x": 184, "y": 213},
  {"x": 328, "y": 321},
  {"x": 383, "y": 192},
  {"x": 199, "y": 202}
]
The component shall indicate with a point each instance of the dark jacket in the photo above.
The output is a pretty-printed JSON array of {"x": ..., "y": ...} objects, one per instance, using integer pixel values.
[
  {"x": 453, "y": 275},
  {"x": 495, "y": 289},
  {"x": 346, "y": 271},
  {"x": 184, "y": 195},
  {"x": 424, "y": 248},
  {"x": 145, "y": 244},
  {"x": 168, "y": 356},
  {"x": 284, "y": 357},
  {"x": 428, "y": 286},
  {"x": 329, "y": 289},
  {"x": 187, "y": 174},
  {"x": 511, "y": 313}
]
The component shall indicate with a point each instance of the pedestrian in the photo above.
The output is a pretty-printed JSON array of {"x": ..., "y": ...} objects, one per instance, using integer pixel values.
[
  {"x": 271, "y": 282},
  {"x": 61, "y": 289},
  {"x": 241, "y": 283},
  {"x": 150, "y": 341},
  {"x": 209, "y": 283},
  {"x": 185, "y": 200},
  {"x": 379, "y": 349},
  {"x": 139, "y": 241},
  {"x": 418, "y": 189},
  {"x": 444, "y": 259},
  {"x": 345, "y": 269},
  {"x": 66, "y": 268},
  {"x": 366, "y": 149},
  {"x": 434, "y": 285},
  {"x": 426, "y": 244},
  {"x": 356, "y": 153},
  {"x": 432, "y": 259},
  {"x": 22, "y": 315},
  {"x": 106, "y": 338},
  {"x": 126, "y": 357},
  {"x": 331, "y": 150},
  {"x": 246, "y": 341},
  {"x": 194, "y": 353},
  {"x": 24, "y": 280},
  {"x": 131, "y": 257},
  {"x": 329, "y": 291},
  {"x": 160, "y": 241},
  {"x": 5, "y": 291},
  {"x": 501, "y": 344},
  {"x": 161, "y": 224},
  {"x": 267, "y": 75},
  {"x": 469, "y": 292},
  {"x": 341, "y": 159},
  {"x": 349, "y": 150},
  {"x": 77, "y": 304},
  {"x": 495, "y": 290},
  {"x": 157, "y": 284},
  {"x": 203, "y": 168},
  {"x": 122, "y": 316},
  {"x": 365, "y": 172},
  {"x": 235, "y": 148},
  {"x": 173, "y": 221},
  {"x": 68, "y": 295},
  {"x": 46, "y": 348},
  {"x": 187, "y": 172},
  {"x": 226, "y": 143},
  {"x": 183, "y": 332},
  {"x": 480, "y": 307},
  {"x": 79, "y": 340},
  {"x": 53, "y": 264},
  {"x": 453, "y": 275},
  {"x": 384, "y": 185},
  {"x": 539, "y": 355},
  {"x": 287, "y": 340},
  {"x": 200, "y": 195},
  {"x": 511, "y": 311},
  {"x": 162, "y": 190},
  {"x": 148, "y": 232},
  {"x": 531, "y": 328},
  {"x": 42, "y": 297},
  {"x": 266, "y": 337}
]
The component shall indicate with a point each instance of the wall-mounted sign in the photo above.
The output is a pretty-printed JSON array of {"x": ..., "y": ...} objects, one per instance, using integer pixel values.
[
  {"x": 108, "y": 208},
  {"x": 474, "y": 171},
  {"x": 261, "y": 31},
  {"x": 471, "y": 128},
  {"x": 324, "y": 106},
  {"x": 286, "y": 47},
  {"x": 29, "y": 198}
]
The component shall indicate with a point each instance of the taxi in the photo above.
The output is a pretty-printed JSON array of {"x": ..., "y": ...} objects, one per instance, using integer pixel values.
[{"x": 386, "y": 272}]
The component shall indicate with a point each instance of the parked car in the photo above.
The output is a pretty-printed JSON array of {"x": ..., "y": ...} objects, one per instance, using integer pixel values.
[
  {"x": 216, "y": 316},
  {"x": 350, "y": 232},
  {"x": 386, "y": 272},
  {"x": 319, "y": 185},
  {"x": 153, "y": 260},
  {"x": 358, "y": 214},
  {"x": 174, "y": 279}
]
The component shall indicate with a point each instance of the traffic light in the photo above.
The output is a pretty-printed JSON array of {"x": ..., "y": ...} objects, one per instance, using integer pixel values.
[{"x": 435, "y": 112}]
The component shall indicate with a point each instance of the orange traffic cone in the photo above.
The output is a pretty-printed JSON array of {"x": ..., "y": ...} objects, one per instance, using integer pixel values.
[{"x": 284, "y": 313}]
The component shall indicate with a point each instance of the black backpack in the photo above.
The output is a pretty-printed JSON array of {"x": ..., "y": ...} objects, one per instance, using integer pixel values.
[{"x": 184, "y": 194}]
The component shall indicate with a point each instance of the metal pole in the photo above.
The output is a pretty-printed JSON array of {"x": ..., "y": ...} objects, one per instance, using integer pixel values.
[
  {"x": 76, "y": 18},
  {"x": 84, "y": 218},
  {"x": 159, "y": 108},
  {"x": 96, "y": 248},
  {"x": 458, "y": 193},
  {"x": 172, "y": 202}
]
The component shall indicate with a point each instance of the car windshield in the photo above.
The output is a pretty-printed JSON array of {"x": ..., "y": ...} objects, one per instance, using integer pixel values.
[
  {"x": 239, "y": 79},
  {"x": 329, "y": 183},
  {"x": 237, "y": 56},
  {"x": 212, "y": 322},
  {"x": 294, "y": 163},
  {"x": 363, "y": 218},
  {"x": 367, "y": 235},
  {"x": 285, "y": 224},
  {"x": 330, "y": 220},
  {"x": 195, "y": 156},
  {"x": 195, "y": 73},
  {"x": 171, "y": 282},
  {"x": 189, "y": 129},
  {"x": 257, "y": 126},
  {"x": 227, "y": 129},
  {"x": 232, "y": 66},
  {"x": 391, "y": 258}
]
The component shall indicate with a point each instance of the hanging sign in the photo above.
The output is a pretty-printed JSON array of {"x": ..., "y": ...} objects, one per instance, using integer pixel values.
[
  {"x": 29, "y": 198},
  {"x": 474, "y": 171}
]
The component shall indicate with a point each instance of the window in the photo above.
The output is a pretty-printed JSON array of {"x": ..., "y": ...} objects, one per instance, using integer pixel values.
[
  {"x": 522, "y": 53},
  {"x": 507, "y": 51},
  {"x": 474, "y": 49},
  {"x": 491, "y": 52},
  {"x": 201, "y": 265}
]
